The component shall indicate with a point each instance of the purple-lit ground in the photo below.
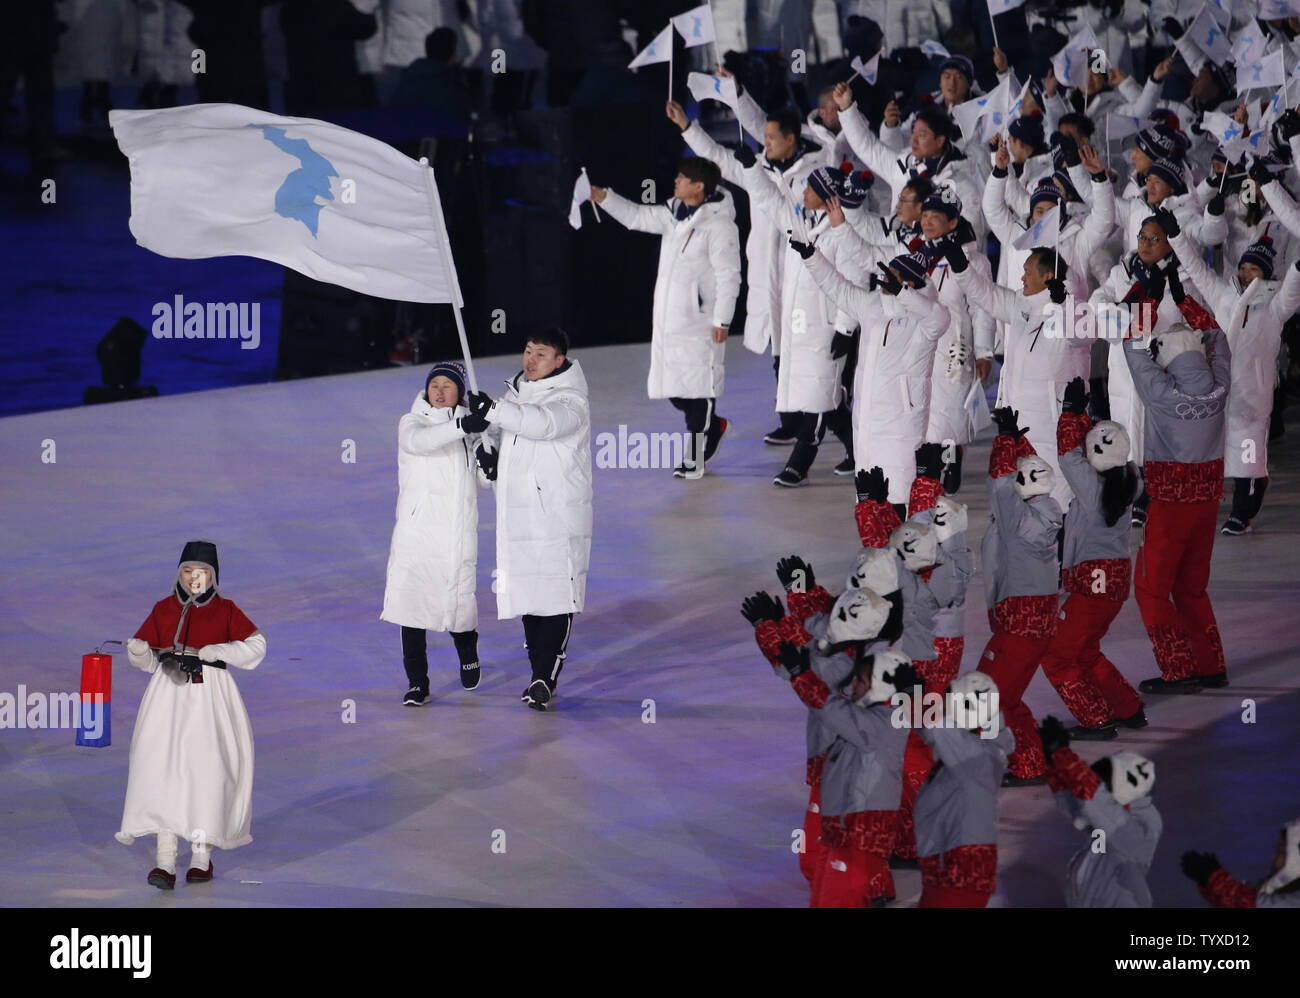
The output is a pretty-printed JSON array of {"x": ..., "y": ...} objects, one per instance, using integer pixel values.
[{"x": 403, "y": 806}]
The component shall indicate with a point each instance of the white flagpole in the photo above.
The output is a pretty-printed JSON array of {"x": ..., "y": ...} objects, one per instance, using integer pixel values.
[
  {"x": 449, "y": 265},
  {"x": 594, "y": 209},
  {"x": 1108, "y": 142},
  {"x": 993, "y": 23}
]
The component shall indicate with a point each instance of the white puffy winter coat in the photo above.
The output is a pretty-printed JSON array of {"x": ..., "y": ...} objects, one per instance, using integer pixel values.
[
  {"x": 1252, "y": 320},
  {"x": 891, "y": 386},
  {"x": 1036, "y": 366},
  {"x": 433, "y": 557},
  {"x": 543, "y": 492},
  {"x": 766, "y": 245},
  {"x": 695, "y": 289}
]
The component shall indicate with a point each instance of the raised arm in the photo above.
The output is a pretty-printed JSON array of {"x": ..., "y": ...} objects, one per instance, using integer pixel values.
[
  {"x": 641, "y": 217},
  {"x": 847, "y": 296},
  {"x": 997, "y": 301},
  {"x": 1284, "y": 207},
  {"x": 701, "y": 143},
  {"x": 879, "y": 158},
  {"x": 996, "y": 211},
  {"x": 1217, "y": 291}
]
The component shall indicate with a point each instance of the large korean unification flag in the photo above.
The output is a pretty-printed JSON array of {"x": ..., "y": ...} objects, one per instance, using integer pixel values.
[{"x": 335, "y": 205}]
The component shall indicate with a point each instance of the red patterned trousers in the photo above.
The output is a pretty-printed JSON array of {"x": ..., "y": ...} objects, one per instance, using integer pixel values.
[
  {"x": 936, "y": 673},
  {"x": 918, "y": 760},
  {"x": 854, "y": 869},
  {"x": 1088, "y": 684},
  {"x": 964, "y": 877},
  {"x": 1012, "y": 660},
  {"x": 1174, "y": 562},
  {"x": 812, "y": 857}
]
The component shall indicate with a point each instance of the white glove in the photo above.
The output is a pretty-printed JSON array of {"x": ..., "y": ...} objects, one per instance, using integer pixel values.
[
  {"x": 958, "y": 353},
  {"x": 950, "y": 519},
  {"x": 209, "y": 653},
  {"x": 137, "y": 647}
]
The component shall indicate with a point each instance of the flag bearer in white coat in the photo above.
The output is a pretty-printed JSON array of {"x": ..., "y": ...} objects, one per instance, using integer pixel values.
[
  {"x": 542, "y": 469},
  {"x": 191, "y": 771},
  {"x": 433, "y": 559},
  {"x": 695, "y": 297}
]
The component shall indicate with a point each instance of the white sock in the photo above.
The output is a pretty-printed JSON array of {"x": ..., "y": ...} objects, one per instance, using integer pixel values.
[
  {"x": 166, "y": 854},
  {"x": 200, "y": 856}
]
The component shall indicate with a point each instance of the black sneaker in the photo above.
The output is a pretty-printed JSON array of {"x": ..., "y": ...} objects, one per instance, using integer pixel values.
[
  {"x": 1138, "y": 720},
  {"x": 1139, "y": 517},
  {"x": 712, "y": 440},
  {"x": 1217, "y": 681},
  {"x": 790, "y": 479},
  {"x": 1080, "y": 733},
  {"x": 538, "y": 694},
  {"x": 415, "y": 697},
  {"x": 523, "y": 697},
  {"x": 1011, "y": 780},
  {"x": 781, "y": 437},
  {"x": 1161, "y": 685},
  {"x": 846, "y": 468},
  {"x": 469, "y": 675},
  {"x": 1235, "y": 527}
]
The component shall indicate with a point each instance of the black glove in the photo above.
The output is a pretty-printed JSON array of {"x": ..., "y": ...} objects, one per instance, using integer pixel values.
[
  {"x": 479, "y": 403},
  {"x": 1173, "y": 27},
  {"x": 1056, "y": 290},
  {"x": 787, "y": 570},
  {"x": 805, "y": 250},
  {"x": 1216, "y": 205},
  {"x": 761, "y": 607},
  {"x": 472, "y": 422},
  {"x": 1260, "y": 173},
  {"x": 1007, "y": 420},
  {"x": 905, "y": 678},
  {"x": 1054, "y": 736},
  {"x": 745, "y": 156},
  {"x": 1155, "y": 285},
  {"x": 1076, "y": 397},
  {"x": 955, "y": 255},
  {"x": 1070, "y": 151},
  {"x": 1176, "y": 291},
  {"x": 929, "y": 461},
  {"x": 872, "y": 485},
  {"x": 841, "y": 345},
  {"x": 1200, "y": 866},
  {"x": 1168, "y": 222},
  {"x": 795, "y": 660},
  {"x": 887, "y": 281},
  {"x": 487, "y": 460},
  {"x": 1288, "y": 126}
]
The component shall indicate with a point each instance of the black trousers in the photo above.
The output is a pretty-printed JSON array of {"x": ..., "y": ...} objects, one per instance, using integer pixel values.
[
  {"x": 1248, "y": 497},
  {"x": 415, "y": 657},
  {"x": 547, "y": 639},
  {"x": 701, "y": 418}
]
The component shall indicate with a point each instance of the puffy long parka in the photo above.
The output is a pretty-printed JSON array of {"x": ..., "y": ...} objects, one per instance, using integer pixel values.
[
  {"x": 543, "y": 492},
  {"x": 433, "y": 558},
  {"x": 1252, "y": 319},
  {"x": 891, "y": 391},
  {"x": 1037, "y": 365},
  {"x": 696, "y": 289},
  {"x": 765, "y": 247}
]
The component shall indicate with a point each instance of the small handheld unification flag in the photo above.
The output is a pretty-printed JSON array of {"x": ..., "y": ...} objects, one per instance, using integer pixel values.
[
  {"x": 659, "y": 50},
  {"x": 1121, "y": 126},
  {"x": 1267, "y": 72},
  {"x": 1002, "y": 6},
  {"x": 1041, "y": 233},
  {"x": 969, "y": 113},
  {"x": 933, "y": 49},
  {"x": 696, "y": 26},
  {"x": 1221, "y": 126},
  {"x": 704, "y": 86},
  {"x": 1190, "y": 51},
  {"x": 1278, "y": 10},
  {"x": 1222, "y": 11},
  {"x": 581, "y": 193},
  {"x": 1071, "y": 63},
  {"x": 867, "y": 70},
  {"x": 1250, "y": 46},
  {"x": 1208, "y": 35}
]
